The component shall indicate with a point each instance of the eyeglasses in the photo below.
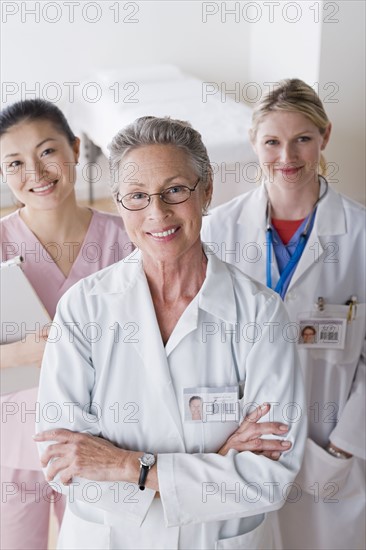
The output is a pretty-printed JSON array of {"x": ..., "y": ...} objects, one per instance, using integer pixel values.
[{"x": 172, "y": 195}]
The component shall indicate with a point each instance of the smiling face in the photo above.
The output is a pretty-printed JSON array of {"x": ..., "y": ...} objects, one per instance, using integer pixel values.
[
  {"x": 289, "y": 147},
  {"x": 38, "y": 163},
  {"x": 163, "y": 232}
]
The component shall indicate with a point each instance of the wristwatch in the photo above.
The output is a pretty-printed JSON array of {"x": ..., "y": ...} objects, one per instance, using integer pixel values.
[{"x": 147, "y": 461}]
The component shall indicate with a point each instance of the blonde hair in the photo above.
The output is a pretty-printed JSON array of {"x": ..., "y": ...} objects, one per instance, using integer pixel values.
[{"x": 292, "y": 95}]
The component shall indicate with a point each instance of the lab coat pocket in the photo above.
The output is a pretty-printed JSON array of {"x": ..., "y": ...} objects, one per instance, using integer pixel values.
[
  {"x": 321, "y": 473},
  {"x": 81, "y": 531},
  {"x": 354, "y": 336},
  {"x": 259, "y": 537}
]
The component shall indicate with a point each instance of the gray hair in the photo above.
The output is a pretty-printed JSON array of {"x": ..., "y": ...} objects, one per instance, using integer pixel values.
[{"x": 150, "y": 130}]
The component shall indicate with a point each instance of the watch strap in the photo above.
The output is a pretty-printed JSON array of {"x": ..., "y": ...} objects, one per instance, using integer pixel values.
[{"x": 143, "y": 476}]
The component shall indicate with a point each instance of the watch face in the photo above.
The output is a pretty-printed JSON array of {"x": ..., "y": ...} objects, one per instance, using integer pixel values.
[{"x": 147, "y": 459}]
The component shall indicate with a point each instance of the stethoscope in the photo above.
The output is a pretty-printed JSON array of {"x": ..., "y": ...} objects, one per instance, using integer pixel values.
[{"x": 300, "y": 245}]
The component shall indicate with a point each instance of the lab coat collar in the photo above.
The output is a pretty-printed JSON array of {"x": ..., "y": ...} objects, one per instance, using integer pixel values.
[
  {"x": 215, "y": 297},
  {"x": 119, "y": 278},
  {"x": 329, "y": 220},
  {"x": 254, "y": 213},
  {"x": 217, "y": 293}
]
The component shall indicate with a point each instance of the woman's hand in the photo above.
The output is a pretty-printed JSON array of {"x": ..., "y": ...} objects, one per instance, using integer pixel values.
[
  {"x": 91, "y": 457},
  {"x": 27, "y": 352},
  {"x": 248, "y": 436},
  {"x": 82, "y": 455}
]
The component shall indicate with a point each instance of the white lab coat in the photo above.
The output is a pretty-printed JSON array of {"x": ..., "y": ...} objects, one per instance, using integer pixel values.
[
  {"x": 328, "y": 511},
  {"x": 136, "y": 387}
]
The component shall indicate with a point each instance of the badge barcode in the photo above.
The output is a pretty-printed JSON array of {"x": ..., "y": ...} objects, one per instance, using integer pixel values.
[{"x": 329, "y": 336}]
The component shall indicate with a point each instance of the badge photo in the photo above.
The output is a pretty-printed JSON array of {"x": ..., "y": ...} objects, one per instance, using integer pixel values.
[
  {"x": 326, "y": 333},
  {"x": 203, "y": 404}
]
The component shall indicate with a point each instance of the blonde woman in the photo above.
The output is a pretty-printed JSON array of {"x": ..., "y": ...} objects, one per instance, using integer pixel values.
[{"x": 307, "y": 242}]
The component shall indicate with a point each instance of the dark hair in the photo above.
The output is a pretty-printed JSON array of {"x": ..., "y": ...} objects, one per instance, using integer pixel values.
[
  {"x": 308, "y": 327},
  {"x": 35, "y": 109}
]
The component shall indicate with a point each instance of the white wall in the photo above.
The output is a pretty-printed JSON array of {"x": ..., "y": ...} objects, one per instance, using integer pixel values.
[
  {"x": 39, "y": 57},
  {"x": 285, "y": 43},
  {"x": 326, "y": 48},
  {"x": 234, "y": 43},
  {"x": 164, "y": 32},
  {"x": 342, "y": 69}
]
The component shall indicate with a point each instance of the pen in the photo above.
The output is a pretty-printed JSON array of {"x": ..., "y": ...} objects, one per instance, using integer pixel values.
[
  {"x": 352, "y": 311},
  {"x": 14, "y": 261}
]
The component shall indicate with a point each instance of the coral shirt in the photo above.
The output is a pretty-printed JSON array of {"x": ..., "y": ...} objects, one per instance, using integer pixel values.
[{"x": 286, "y": 228}]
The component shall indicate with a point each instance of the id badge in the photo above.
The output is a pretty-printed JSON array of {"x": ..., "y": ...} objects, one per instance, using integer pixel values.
[
  {"x": 322, "y": 332},
  {"x": 203, "y": 404}
]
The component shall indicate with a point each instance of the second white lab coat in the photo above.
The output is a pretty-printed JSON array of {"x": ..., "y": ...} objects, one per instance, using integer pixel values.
[
  {"x": 110, "y": 374},
  {"x": 328, "y": 508}
]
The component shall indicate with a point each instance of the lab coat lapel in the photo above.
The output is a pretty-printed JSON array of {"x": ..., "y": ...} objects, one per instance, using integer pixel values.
[
  {"x": 311, "y": 254},
  {"x": 216, "y": 297},
  {"x": 254, "y": 221},
  {"x": 153, "y": 354},
  {"x": 186, "y": 324},
  {"x": 131, "y": 302},
  {"x": 329, "y": 220},
  {"x": 254, "y": 214}
]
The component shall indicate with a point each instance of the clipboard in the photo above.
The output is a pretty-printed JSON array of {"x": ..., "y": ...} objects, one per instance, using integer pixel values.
[{"x": 21, "y": 311}]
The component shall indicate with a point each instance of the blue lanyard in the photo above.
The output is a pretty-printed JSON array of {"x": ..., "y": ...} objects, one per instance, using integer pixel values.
[{"x": 294, "y": 260}]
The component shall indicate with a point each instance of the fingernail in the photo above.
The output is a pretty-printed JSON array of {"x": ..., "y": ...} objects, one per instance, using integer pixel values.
[
  {"x": 276, "y": 455},
  {"x": 283, "y": 428},
  {"x": 35, "y": 436},
  {"x": 264, "y": 406},
  {"x": 285, "y": 443}
]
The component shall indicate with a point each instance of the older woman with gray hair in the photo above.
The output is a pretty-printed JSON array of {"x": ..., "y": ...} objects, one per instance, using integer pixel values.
[{"x": 137, "y": 341}]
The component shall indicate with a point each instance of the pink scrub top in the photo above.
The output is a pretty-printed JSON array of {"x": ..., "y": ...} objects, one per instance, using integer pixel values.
[{"x": 105, "y": 243}]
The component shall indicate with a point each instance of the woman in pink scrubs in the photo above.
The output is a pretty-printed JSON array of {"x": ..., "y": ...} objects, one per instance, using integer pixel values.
[{"x": 61, "y": 242}]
